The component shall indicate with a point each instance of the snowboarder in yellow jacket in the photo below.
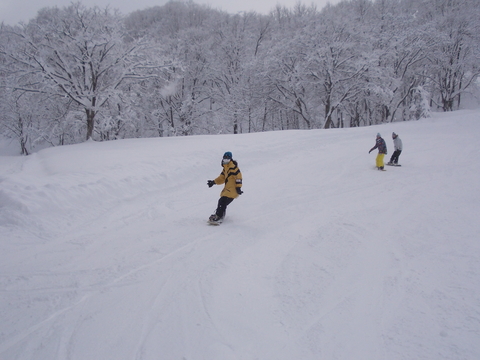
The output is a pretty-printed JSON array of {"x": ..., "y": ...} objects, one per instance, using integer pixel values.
[{"x": 232, "y": 178}]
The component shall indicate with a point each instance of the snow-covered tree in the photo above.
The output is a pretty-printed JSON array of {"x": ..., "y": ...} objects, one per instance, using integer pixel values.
[
  {"x": 455, "y": 53},
  {"x": 80, "y": 53},
  {"x": 75, "y": 72},
  {"x": 291, "y": 93}
]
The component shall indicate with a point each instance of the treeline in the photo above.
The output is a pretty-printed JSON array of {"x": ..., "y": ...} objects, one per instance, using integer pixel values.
[{"x": 76, "y": 73}]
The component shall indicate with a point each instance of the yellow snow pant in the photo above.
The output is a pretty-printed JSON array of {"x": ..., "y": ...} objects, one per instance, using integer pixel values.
[{"x": 380, "y": 160}]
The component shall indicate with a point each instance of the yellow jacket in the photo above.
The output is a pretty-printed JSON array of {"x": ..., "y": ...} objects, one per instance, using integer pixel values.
[{"x": 232, "y": 178}]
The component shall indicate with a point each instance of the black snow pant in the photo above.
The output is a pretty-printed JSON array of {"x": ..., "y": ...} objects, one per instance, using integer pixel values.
[
  {"x": 395, "y": 155},
  {"x": 223, "y": 202}
]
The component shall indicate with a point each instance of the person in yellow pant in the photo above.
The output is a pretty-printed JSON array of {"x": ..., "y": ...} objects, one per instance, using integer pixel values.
[{"x": 382, "y": 151}]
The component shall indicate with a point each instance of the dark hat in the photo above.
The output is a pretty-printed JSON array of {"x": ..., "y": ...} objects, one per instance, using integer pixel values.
[{"x": 227, "y": 155}]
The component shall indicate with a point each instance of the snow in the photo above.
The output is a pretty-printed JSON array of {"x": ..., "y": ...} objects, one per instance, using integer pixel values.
[{"x": 106, "y": 254}]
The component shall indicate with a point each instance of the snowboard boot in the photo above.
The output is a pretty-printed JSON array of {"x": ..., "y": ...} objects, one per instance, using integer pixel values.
[{"x": 215, "y": 218}]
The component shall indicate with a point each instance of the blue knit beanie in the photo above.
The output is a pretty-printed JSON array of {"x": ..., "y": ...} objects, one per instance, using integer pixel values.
[{"x": 227, "y": 155}]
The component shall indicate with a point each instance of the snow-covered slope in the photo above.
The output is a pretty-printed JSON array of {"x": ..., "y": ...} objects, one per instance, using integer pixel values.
[{"x": 105, "y": 252}]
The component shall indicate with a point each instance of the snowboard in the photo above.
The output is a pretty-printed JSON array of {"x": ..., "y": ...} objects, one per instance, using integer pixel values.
[
  {"x": 215, "y": 223},
  {"x": 393, "y": 164}
]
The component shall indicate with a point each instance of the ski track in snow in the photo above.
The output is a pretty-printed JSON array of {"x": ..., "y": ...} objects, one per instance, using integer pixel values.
[{"x": 106, "y": 254}]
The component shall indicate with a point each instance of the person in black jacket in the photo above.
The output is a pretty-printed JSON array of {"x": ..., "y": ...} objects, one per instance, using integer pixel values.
[{"x": 382, "y": 151}]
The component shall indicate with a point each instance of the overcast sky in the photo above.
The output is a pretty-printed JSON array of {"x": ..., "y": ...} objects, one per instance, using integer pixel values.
[{"x": 14, "y": 11}]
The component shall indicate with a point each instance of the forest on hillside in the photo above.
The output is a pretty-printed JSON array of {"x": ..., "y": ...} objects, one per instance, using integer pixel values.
[{"x": 77, "y": 73}]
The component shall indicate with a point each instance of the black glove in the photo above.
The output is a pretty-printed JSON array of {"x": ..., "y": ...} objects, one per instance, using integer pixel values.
[
  {"x": 239, "y": 191},
  {"x": 370, "y": 151},
  {"x": 210, "y": 183}
]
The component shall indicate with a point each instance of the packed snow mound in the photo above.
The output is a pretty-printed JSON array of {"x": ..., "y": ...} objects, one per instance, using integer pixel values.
[{"x": 106, "y": 253}]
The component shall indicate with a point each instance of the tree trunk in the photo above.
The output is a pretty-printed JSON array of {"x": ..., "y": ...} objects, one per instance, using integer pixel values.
[{"x": 90, "y": 122}]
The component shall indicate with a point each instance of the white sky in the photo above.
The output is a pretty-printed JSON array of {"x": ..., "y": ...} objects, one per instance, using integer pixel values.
[{"x": 14, "y": 11}]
